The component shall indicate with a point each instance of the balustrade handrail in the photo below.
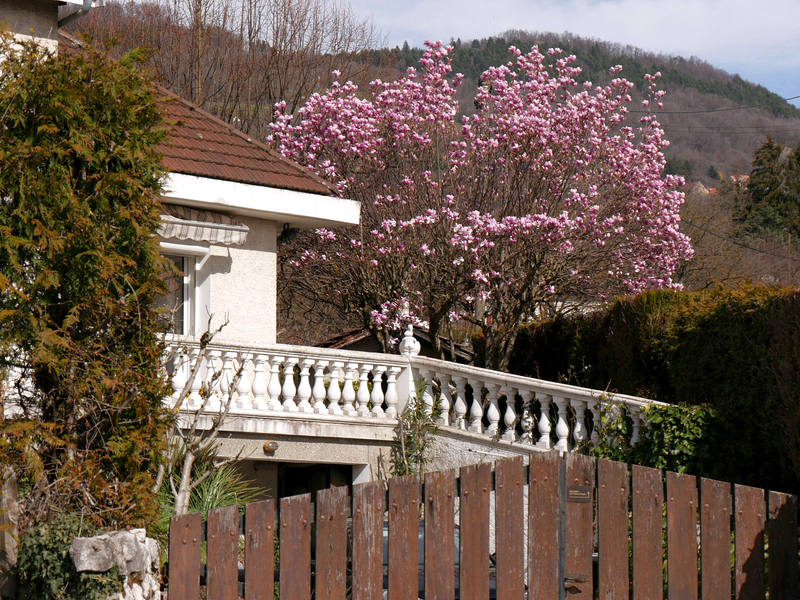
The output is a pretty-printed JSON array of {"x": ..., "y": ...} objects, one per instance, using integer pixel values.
[{"x": 356, "y": 384}]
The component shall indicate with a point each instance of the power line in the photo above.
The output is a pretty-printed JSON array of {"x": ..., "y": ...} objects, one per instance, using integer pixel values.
[
  {"x": 736, "y": 242},
  {"x": 715, "y": 110},
  {"x": 731, "y": 132}
]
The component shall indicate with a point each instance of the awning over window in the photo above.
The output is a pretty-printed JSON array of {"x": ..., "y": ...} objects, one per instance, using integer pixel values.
[{"x": 186, "y": 223}]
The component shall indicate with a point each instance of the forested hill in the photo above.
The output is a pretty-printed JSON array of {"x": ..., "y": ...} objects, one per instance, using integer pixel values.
[{"x": 707, "y": 138}]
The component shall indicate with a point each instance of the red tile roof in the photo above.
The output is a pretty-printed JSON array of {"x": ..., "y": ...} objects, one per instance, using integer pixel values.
[
  {"x": 200, "y": 144},
  {"x": 203, "y": 145}
]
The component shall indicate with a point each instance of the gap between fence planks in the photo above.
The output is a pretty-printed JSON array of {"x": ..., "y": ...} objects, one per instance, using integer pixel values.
[{"x": 611, "y": 539}]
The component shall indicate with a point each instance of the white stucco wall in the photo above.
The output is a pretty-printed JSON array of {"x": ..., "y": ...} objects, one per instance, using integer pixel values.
[{"x": 242, "y": 285}]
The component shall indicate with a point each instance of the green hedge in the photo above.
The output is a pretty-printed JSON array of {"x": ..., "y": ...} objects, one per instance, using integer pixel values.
[{"x": 737, "y": 352}]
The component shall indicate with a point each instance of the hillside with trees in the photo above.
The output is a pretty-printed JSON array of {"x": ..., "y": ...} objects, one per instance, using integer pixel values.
[
  {"x": 710, "y": 135},
  {"x": 237, "y": 61}
]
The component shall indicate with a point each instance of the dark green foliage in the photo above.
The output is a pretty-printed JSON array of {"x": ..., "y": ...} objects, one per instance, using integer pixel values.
[
  {"x": 416, "y": 428},
  {"x": 595, "y": 58},
  {"x": 771, "y": 206},
  {"x": 679, "y": 166},
  {"x": 736, "y": 352},
  {"x": 45, "y": 568},
  {"x": 679, "y": 438},
  {"x": 80, "y": 179},
  {"x": 712, "y": 173}
]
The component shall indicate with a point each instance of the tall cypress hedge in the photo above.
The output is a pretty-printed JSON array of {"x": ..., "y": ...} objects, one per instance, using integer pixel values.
[{"x": 737, "y": 351}]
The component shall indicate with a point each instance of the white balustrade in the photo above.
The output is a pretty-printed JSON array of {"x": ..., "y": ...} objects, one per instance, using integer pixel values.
[
  {"x": 318, "y": 383},
  {"x": 493, "y": 410},
  {"x": 391, "y": 398},
  {"x": 377, "y": 397},
  {"x": 562, "y": 428},
  {"x": 259, "y": 384},
  {"x": 274, "y": 387},
  {"x": 334, "y": 391},
  {"x": 349, "y": 392},
  {"x": 304, "y": 389},
  {"x": 319, "y": 391},
  {"x": 579, "y": 429},
  {"x": 476, "y": 408},
  {"x": 510, "y": 414},
  {"x": 460, "y": 403},
  {"x": 544, "y": 421},
  {"x": 243, "y": 398}
]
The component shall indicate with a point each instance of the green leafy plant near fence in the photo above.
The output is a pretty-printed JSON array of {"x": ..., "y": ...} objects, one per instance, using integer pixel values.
[
  {"x": 730, "y": 357},
  {"x": 679, "y": 438},
  {"x": 46, "y": 571}
]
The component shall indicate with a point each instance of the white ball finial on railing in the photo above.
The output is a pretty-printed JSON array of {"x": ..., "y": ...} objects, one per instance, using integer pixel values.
[{"x": 409, "y": 345}]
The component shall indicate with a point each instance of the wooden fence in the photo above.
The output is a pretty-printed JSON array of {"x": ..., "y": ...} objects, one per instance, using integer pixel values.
[{"x": 639, "y": 534}]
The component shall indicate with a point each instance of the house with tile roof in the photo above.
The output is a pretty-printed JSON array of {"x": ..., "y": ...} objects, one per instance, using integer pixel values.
[{"x": 303, "y": 418}]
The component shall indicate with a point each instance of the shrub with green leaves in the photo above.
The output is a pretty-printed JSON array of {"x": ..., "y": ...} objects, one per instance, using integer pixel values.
[
  {"x": 46, "y": 571},
  {"x": 80, "y": 179},
  {"x": 734, "y": 352}
]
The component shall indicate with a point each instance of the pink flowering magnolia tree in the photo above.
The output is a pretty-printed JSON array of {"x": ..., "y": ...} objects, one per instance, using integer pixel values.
[{"x": 547, "y": 197}]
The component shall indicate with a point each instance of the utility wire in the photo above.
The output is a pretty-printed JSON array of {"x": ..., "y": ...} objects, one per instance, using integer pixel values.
[
  {"x": 715, "y": 110},
  {"x": 735, "y": 242}
]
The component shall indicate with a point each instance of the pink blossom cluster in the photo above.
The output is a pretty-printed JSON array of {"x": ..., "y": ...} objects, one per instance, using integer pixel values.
[{"x": 547, "y": 191}]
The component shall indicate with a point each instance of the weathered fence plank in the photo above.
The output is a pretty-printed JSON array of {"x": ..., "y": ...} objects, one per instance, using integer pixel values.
[
  {"x": 681, "y": 536},
  {"x": 222, "y": 573},
  {"x": 560, "y": 538},
  {"x": 259, "y": 550},
  {"x": 331, "y": 556},
  {"x": 579, "y": 527},
  {"x": 440, "y": 550},
  {"x": 544, "y": 527},
  {"x": 648, "y": 542},
  {"x": 368, "y": 507},
  {"x": 295, "y": 519},
  {"x": 751, "y": 516},
  {"x": 476, "y": 481},
  {"x": 184, "y": 556},
  {"x": 782, "y": 532},
  {"x": 715, "y": 539},
  {"x": 404, "y": 516},
  {"x": 510, "y": 528},
  {"x": 612, "y": 529}
]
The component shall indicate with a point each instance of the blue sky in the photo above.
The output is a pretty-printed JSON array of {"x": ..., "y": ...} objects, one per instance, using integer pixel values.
[{"x": 759, "y": 42}]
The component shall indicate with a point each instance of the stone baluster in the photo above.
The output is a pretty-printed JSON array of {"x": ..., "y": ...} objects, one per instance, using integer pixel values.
[
  {"x": 493, "y": 410},
  {"x": 476, "y": 409},
  {"x": 334, "y": 391},
  {"x": 363, "y": 395},
  {"x": 274, "y": 387},
  {"x": 377, "y": 395},
  {"x": 595, "y": 408},
  {"x": 509, "y": 414},
  {"x": 304, "y": 389},
  {"x": 527, "y": 416},
  {"x": 243, "y": 399},
  {"x": 460, "y": 404},
  {"x": 579, "y": 432},
  {"x": 562, "y": 427},
  {"x": 289, "y": 389},
  {"x": 180, "y": 374},
  {"x": 427, "y": 392},
  {"x": 195, "y": 398},
  {"x": 544, "y": 421},
  {"x": 319, "y": 392},
  {"x": 225, "y": 381},
  {"x": 349, "y": 392},
  {"x": 391, "y": 398},
  {"x": 259, "y": 384},
  {"x": 636, "y": 418},
  {"x": 445, "y": 401}
]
